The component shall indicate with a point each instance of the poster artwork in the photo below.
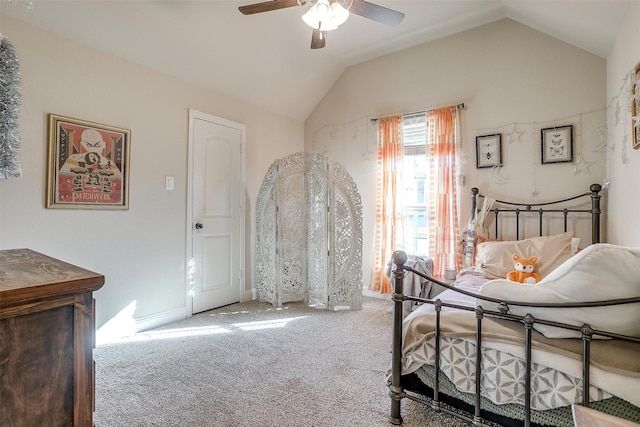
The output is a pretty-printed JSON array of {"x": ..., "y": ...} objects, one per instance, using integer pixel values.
[{"x": 90, "y": 165}]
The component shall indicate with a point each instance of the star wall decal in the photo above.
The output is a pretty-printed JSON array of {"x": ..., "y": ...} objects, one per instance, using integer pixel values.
[
  {"x": 605, "y": 184},
  {"x": 514, "y": 135},
  {"x": 535, "y": 193},
  {"x": 582, "y": 166}
]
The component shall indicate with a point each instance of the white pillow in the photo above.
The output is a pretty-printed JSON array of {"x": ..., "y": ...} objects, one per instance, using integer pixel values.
[
  {"x": 493, "y": 259},
  {"x": 599, "y": 272}
]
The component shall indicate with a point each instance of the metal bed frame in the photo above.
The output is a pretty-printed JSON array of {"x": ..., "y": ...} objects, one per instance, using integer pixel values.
[
  {"x": 396, "y": 389},
  {"x": 519, "y": 209}
]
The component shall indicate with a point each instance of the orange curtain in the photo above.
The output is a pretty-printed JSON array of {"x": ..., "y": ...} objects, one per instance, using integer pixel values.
[
  {"x": 443, "y": 193},
  {"x": 388, "y": 227}
]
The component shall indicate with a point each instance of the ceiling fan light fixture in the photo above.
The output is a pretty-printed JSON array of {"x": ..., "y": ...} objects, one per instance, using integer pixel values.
[{"x": 324, "y": 16}]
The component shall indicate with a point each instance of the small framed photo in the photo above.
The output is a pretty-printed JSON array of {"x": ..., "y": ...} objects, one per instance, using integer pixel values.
[
  {"x": 489, "y": 150},
  {"x": 557, "y": 144},
  {"x": 88, "y": 165},
  {"x": 635, "y": 109}
]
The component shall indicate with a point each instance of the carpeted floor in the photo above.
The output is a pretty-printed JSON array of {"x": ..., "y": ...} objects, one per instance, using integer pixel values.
[{"x": 252, "y": 364}]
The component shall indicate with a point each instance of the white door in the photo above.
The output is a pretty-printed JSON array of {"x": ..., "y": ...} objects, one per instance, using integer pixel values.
[{"x": 217, "y": 213}]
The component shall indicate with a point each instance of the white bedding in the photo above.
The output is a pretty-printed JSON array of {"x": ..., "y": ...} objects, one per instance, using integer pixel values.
[
  {"x": 600, "y": 272},
  {"x": 556, "y": 378}
]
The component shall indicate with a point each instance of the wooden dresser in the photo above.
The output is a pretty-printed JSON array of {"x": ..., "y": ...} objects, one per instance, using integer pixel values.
[{"x": 47, "y": 336}]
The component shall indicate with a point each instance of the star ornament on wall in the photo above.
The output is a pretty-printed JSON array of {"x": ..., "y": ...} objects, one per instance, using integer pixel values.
[
  {"x": 515, "y": 135},
  {"x": 582, "y": 166}
]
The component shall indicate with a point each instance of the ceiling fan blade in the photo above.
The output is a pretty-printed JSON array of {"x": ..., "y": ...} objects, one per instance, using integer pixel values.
[
  {"x": 266, "y": 6},
  {"x": 377, "y": 13},
  {"x": 318, "y": 39}
]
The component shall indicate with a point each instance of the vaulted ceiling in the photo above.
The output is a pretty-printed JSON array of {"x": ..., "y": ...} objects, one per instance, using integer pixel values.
[{"x": 265, "y": 59}]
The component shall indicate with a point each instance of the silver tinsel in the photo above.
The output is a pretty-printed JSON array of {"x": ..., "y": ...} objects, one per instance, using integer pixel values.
[{"x": 10, "y": 101}]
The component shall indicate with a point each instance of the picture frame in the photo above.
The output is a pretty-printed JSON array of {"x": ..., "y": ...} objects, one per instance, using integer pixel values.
[
  {"x": 489, "y": 150},
  {"x": 88, "y": 165},
  {"x": 635, "y": 109},
  {"x": 557, "y": 144}
]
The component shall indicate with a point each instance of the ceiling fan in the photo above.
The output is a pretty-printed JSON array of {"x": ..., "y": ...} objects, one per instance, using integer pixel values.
[{"x": 327, "y": 15}]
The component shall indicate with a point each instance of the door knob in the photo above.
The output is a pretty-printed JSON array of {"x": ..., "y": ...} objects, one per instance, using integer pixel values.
[{"x": 199, "y": 226}]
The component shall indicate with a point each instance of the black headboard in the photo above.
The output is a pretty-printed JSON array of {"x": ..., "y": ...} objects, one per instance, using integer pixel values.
[{"x": 518, "y": 210}]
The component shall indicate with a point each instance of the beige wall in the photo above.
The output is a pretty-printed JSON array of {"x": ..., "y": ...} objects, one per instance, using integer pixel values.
[
  {"x": 141, "y": 251},
  {"x": 505, "y": 73},
  {"x": 623, "y": 162}
]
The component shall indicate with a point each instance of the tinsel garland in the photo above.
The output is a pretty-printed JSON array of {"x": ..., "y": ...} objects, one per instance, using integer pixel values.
[{"x": 10, "y": 102}]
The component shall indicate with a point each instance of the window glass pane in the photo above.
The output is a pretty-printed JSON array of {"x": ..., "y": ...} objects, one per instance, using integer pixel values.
[{"x": 415, "y": 173}]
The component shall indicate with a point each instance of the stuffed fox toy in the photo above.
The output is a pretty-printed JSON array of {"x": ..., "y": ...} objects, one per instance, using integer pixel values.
[{"x": 524, "y": 270}]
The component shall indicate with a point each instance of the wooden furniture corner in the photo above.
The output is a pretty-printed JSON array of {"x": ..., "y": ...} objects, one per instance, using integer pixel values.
[{"x": 47, "y": 331}]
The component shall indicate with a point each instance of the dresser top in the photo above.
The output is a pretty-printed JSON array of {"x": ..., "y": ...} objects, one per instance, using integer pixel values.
[{"x": 28, "y": 275}]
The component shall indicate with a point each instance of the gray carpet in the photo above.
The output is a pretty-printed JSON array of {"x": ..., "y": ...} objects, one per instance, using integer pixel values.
[{"x": 252, "y": 364}]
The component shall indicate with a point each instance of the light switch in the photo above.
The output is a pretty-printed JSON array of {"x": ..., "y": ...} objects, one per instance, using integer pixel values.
[{"x": 168, "y": 182}]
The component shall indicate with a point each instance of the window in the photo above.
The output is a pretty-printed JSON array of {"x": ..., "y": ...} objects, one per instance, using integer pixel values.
[
  {"x": 415, "y": 173},
  {"x": 416, "y": 192}
]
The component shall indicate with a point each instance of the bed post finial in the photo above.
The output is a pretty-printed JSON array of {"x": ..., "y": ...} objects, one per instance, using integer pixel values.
[
  {"x": 595, "y": 212},
  {"x": 474, "y": 201},
  {"x": 399, "y": 257}
]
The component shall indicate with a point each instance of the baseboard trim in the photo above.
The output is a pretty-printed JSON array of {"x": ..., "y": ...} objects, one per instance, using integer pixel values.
[
  {"x": 373, "y": 294},
  {"x": 124, "y": 325},
  {"x": 158, "y": 319},
  {"x": 249, "y": 295}
]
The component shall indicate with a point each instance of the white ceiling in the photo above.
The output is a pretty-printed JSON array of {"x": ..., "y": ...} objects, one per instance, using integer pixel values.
[{"x": 265, "y": 59}]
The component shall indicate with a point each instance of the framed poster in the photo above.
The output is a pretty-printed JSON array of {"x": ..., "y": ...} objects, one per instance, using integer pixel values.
[
  {"x": 489, "y": 150},
  {"x": 88, "y": 165},
  {"x": 635, "y": 109},
  {"x": 557, "y": 144}
]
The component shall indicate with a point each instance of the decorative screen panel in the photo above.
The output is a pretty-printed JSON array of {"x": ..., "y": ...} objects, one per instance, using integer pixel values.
[
  {"x": 317, "y": 222},
  {"x": 309, "y": 234}
]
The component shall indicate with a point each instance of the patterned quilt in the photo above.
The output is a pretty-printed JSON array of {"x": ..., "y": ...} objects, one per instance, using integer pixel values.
[{"x": 502, "y": 377}]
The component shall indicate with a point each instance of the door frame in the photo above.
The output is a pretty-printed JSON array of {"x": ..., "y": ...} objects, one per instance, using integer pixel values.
[{"x": 193, "y": 116}]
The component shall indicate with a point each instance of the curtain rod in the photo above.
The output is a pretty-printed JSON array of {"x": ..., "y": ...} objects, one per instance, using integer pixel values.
[{"x": 459, "y": 106}]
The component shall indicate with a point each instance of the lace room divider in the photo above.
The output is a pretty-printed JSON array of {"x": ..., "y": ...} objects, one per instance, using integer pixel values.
[{"x": 309, "y": 234}]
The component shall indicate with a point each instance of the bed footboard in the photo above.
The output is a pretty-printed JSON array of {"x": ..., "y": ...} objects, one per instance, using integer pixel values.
[{"x": 396, "y": 389}]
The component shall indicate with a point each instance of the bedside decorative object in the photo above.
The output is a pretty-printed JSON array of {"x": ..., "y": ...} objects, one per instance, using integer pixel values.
[
  {"x": 88, "y": 165},
  {"x": 489, "y": 150},
  {"x": 557, "y": 144}
]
